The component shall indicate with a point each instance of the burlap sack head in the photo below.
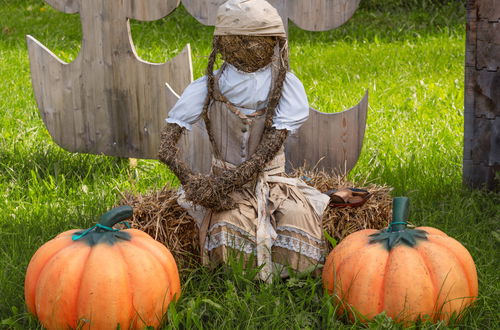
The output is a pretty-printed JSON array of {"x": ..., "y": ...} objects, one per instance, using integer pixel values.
[{"x": 248, "y": 18}]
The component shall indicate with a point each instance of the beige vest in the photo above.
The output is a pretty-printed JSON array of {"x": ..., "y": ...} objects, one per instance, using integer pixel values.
[{"x": 236, "y": 135}]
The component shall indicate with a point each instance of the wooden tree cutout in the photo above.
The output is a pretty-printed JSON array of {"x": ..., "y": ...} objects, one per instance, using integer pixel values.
[{"x": 107, "y": 101}]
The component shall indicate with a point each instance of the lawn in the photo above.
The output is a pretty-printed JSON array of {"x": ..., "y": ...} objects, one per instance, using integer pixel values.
[{"x": 412, "y": 63}]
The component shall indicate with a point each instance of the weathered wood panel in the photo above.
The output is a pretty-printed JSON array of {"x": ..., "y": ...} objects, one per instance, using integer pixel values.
[
  {"x": 205, "y": 12},
  {"x": 486, "y": 88},
  {"x": 488, "y": 45},
  {"x": 481, "y": 143},
  {"x": 468, "y": 134},
  {"x": 328, "y": 141},
  {"x": 479, "y": 175},
  {"x": 471, "y": 39},
  {"x": 494, "y": 157},
  {"x": 488, "y": 10},
  {"x": 149, "y": 10},
  {"x": 107, "y": 101},
  {"x": 482, "y": 95},
  {"x": 66, "y": 6},
  {"x": 321, "y": 15},
  {"x": 311, "y": 15},
  {"x": 143, "y": 10}
]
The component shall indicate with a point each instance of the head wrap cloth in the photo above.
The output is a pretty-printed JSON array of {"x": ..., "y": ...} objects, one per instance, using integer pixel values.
[{"x": 249, "y": 18}]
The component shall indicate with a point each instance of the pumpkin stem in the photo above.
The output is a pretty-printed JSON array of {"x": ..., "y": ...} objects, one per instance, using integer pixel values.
[
  {"x": 398, "y": 232},
  {"x": 400, "y": 207},
  {"x": 103, "y": 231},
  {"x": 116, "y": 215}
]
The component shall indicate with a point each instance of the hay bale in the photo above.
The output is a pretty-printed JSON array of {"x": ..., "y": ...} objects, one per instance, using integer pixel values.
[
  {"x": 159, "y": 215},
  {"x": 340, "y": 222}
]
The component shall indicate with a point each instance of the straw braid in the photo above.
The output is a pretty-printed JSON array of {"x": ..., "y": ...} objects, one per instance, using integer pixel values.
[{"x": 168, "y": 152}]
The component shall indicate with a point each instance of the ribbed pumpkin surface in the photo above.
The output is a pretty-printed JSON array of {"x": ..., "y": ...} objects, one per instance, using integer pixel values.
[
  {"x": 129, "y": 283},
  {"x": 433, "y": 279}
]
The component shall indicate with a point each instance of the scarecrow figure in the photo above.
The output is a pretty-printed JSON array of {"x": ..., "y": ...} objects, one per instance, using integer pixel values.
[{"x": 248, "y": 106}]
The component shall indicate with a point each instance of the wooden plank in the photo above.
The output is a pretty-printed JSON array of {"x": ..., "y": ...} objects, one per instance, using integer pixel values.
[
  {"x": 205, "y": 12},
  {"x": 469, "y": 89},
  {"x": 481, "y": 141},
  {"x": 494, "y": 157},
  {"x": 471, "y": 36},
  {"x": 149, "y": 10},
  {"x": 321, "y": 15},
  {"x": 482, "y": 94},
  {"x": 488, "y": 45},
  {"x": 468, "y": 134},
  {"x": 329, "y": 141},
  {"x": 488, "y": 10},
  {"x": 480, "y": 176},
  {"x": 486, "y": 88},
  {"x": 66, "y": 6},
  {"x": 107, "y": 101}
]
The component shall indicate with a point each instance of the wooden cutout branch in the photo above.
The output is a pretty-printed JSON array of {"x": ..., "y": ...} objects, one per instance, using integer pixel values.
[{"x": 107, "y": 101}]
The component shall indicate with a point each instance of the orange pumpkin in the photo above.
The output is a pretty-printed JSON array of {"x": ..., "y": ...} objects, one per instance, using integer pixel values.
[
  {"x": 408, "y": 273},
  {"x": 101, "y": 278}
]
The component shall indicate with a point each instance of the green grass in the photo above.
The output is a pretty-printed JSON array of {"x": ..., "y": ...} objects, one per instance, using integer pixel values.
[{"x": 410, "y": 61}]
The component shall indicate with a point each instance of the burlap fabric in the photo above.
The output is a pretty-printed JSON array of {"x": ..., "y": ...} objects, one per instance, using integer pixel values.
[{"x": 249, "y": 18}]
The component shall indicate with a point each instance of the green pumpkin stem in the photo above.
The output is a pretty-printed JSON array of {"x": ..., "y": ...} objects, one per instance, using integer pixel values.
[
  {"x": 103, "y": 231},
  {"x": 116, "y": 215},
  {"x": 398, "y": 231},
  {"x": 400, "y": 207}
]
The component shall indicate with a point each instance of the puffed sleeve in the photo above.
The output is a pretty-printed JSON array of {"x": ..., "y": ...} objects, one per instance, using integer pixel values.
[
  {"x": 293, "y": 108},
  {"x": 189, "y": 107}
]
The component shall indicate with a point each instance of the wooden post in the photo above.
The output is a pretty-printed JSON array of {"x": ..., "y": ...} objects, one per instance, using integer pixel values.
[{"x": 482, "y": 95}]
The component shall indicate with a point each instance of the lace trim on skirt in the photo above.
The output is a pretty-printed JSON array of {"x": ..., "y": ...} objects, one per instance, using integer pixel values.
[
  {"x": 296, "y": 245},
  {"x": 300, "y": 232},
  {"x": 243, "y": 244},
  {"x": 224, "y": 238},
  {"x": 245, "y": 234}
]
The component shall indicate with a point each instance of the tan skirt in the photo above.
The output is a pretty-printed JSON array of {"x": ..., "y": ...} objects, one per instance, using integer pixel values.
[{"x": 293, "y": 208}]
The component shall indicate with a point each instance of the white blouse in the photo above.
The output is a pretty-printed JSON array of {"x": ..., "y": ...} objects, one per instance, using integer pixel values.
[{"x": 248, "y": 90}]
